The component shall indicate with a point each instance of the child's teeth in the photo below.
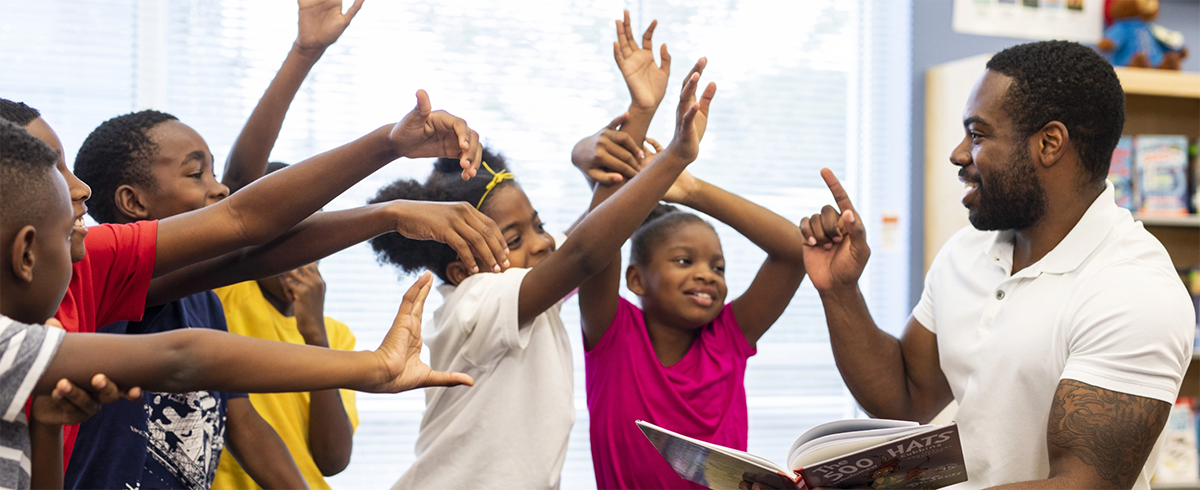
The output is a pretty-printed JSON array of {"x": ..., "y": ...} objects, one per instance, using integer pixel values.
[{"x": 79, "y": 222}]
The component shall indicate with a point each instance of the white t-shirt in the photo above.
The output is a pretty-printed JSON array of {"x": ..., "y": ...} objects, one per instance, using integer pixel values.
[
  {"x": 1105, "y": 307},
  {"x": 509, "y": 430}
]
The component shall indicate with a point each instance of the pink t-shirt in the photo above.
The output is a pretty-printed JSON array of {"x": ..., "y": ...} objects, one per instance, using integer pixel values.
[{"x": 702, "y": 396}]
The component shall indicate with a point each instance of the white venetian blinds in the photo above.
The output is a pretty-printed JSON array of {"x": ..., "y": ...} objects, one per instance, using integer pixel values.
[{"x": 802, "y": 85}]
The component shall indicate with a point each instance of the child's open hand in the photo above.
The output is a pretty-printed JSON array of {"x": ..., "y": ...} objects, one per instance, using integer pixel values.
[
  {"x": 647, "y": 83},
  {"x": 609, "y": 156},
  {"x": 473, "y": 235},
  {"x": 400, "y": 352},
  {"x": 424, "y": 133},
  {"x": 321, "y": 23},
  {"x": 691, "y": 117}
]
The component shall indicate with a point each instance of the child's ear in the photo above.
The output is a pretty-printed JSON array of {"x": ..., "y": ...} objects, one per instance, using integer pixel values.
[
  {"x": 633, "y": 280},
  {"x": 23, "y": 256},
  {"x": 129, "y": 203},
  {"x": 457, "y": 272}
]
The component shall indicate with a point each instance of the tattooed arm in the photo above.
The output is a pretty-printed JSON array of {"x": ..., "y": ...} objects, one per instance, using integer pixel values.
[{"x": 1098, "y": 438}]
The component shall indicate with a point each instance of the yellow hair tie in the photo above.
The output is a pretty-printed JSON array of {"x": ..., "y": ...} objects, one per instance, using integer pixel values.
[{"x": 497, "y": 178}]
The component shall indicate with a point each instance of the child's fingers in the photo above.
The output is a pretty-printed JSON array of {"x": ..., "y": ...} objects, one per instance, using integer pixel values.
[
  {"x": 697, "y": 68},
  {"x": 818, "y": 230},
  {"x": 688, "y": 93},
  {"x": 133, "y": 394},
  {"x": 665, "y": 64},
  {"x": 440, "y": 378},
  {"x": 617, "y": 54},
  {"x": 647, "y": 37},
  {"x": 689, "y": 119},
  {"x": 630, "y": 43},
  {"x": 603, "y": 177},
  {"x": 851, "y": 226},
  {"x": 622, "y": 146},
  {"x": 407, "y": 304},
  {"x": 622, "y": 43},
  {"x": 79, "y": 398},
  {"x": 465, "y": 254},
  {"x": 353, "y": 10},
  {"x": 472, "y": 152},
  {"x": 423, "y": 105},
  {"x": 839, "y": 194},
  {"x": 829, "y": 222},
  {"x": 706, "y": 98},
  {"x": 806, "y": 232},
  {"x": 483, "y": 244}
]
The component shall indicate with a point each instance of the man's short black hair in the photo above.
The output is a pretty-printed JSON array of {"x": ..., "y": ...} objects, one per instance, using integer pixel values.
[
  {"x": 443, "y": 185},
  {"x": 1069, "y": 83},
  {"x": 118, "y": 152},
  {"x": 17, "y": 112},
  {"x": 26, "y": 177},
  {"x": 661, "y": 222}
]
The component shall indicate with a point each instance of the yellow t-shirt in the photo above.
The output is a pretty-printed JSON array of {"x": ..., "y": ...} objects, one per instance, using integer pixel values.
[{"x": 249, "y": 313}]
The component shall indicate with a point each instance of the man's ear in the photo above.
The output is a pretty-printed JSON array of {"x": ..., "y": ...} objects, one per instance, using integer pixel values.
[
  {"x": 1051, "y": 144},
  {"x": 129, "y": 203},
  {"x": 633, "y": 280},
  {"x": 457, "y": 272},
  {"x": 23, "y": 256}
]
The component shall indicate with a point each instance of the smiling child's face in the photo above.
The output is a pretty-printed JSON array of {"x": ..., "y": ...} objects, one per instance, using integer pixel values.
[
  {"x": 182, "y": 168},
  {"x": 79, "y": 191},
  {"x": 684, "y": 280}
]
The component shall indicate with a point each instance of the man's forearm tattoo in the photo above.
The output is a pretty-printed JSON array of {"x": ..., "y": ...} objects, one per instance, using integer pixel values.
[{"x": 1110, "y": 431}]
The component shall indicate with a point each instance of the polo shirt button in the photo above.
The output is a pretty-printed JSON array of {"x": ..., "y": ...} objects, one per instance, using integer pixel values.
[{"x": 999, "y": 294}]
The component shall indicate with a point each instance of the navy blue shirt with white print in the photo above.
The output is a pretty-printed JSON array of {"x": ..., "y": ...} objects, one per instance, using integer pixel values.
[
  {"x": 25, "y": 352},
  {"x": 167, "y": 440}
]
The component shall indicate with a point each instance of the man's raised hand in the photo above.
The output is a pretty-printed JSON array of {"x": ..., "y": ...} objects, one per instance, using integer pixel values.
[
  {"x": 835, "y": 241},
  {"x": 425, "y": 133},
  {"x": 400, "y": 352},
  {"x": 321, "y": 23},
  {"x": 647, "y": 83}
]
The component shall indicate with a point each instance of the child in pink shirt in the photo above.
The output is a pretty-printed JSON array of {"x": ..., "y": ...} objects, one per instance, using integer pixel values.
[{"x": 679, "y": 361}]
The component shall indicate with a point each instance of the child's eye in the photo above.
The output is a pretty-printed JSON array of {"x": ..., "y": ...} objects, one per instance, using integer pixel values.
[
  {"x": 512, "y": 244},
  {"x": 720, "y": 269},
  {"x": 197, "y": 175},
  {"x": 539, "y": 227},
  {"x": 683, "y": 261}
]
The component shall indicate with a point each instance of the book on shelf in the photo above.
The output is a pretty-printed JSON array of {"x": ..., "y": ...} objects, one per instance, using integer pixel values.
[
  {"x": 1179, "y": 457},
  {"x": 880, "y": 453},
  {"x": 1162, "y": 174}
]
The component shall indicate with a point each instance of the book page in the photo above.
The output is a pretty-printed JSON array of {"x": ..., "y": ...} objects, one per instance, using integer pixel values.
[
  {"x": 843, "y": 426},
  {"x": 711, "y": 465},
  {"x": 834, "y": 445},
  {"x": 930, "y": 458}
]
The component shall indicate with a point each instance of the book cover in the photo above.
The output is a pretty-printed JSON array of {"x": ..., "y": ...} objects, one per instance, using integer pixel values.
[
  {"x": 884, "y": 454},
  {"x": 1120, "y": 173},
  {"x": 1162, "y": 165}
]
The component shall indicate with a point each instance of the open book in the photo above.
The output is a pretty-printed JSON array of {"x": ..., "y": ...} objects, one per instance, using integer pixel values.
[{"x": 875, "y": 453}]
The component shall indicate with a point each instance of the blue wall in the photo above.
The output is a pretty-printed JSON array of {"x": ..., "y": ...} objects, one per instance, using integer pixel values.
[{"x": 934, "y": 43}]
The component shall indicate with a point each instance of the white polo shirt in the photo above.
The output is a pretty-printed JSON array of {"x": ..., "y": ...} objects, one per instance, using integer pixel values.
[{"x": 1105, "y": 307}]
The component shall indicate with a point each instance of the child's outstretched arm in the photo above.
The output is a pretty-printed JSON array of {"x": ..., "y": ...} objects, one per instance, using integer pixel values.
[
  {"x": 469, "y": 232},
  {"x": 201, "y": 359},
  {"x": 778, "y": 277},
  {"x": 600, "y": 235},
  {"x": 321, "y": 22},
  {"x": 272, "y": 205}
]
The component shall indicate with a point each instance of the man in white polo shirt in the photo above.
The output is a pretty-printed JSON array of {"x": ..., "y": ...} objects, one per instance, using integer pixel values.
[{"x": 1056, "y": 321}]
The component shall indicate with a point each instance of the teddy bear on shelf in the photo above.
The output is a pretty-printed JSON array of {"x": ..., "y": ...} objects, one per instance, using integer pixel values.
[{"x": 1133, "y": 39}]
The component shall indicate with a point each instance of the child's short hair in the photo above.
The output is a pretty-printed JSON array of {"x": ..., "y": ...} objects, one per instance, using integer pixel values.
[
  {"x": 118, "y": 152},
  {"x": 445, "y": 184},
  {"x": 663, "y": 220},
  {"x": 26, "y": 177},
  {"x": 17, "y": 112}
]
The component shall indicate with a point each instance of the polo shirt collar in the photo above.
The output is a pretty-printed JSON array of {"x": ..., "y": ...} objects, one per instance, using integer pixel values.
[{"x": 1083, "y": 239}]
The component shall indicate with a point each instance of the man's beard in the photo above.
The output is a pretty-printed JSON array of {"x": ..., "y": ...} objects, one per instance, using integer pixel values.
[{"x": 1013, "y": 199}]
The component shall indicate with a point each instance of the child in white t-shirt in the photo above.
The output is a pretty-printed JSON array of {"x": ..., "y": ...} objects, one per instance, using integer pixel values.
[{"x": 510, "y": 430}]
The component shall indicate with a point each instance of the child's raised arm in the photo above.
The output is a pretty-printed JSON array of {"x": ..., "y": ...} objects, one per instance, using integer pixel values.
[
  {"x": 778, "y": 277},
  {"x": 469, "y": 232},
  {"x": 201, "y": 359},
  {"x": 600, "y": 235},
  {"x": 272, "y": 205},
  {"x": 647, "y": 83},
  {"x": 321, "y": 23}
]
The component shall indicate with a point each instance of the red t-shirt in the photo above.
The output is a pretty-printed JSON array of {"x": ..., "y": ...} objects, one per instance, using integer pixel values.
[{"x": 108, "y": 285}]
